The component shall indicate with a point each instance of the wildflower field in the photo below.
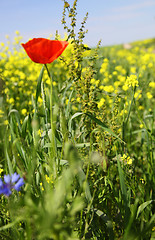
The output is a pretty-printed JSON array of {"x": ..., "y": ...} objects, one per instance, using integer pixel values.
[{"x": 77, "y": 139}]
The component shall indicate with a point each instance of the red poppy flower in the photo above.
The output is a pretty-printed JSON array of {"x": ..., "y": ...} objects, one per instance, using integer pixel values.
[{"x": 42, "y": 50}]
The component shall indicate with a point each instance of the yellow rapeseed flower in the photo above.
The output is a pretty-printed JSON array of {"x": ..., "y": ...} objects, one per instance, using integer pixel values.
[
  {"x": 41, "y": 185},
  {"x": 117, "y": 84},
  {"x": 152, "y": 84},
  {"x": 100, "y": 103},
  {"x": 133, "y": 69},
  {"x": 109, "y": 88},
  {"x": 49, "y": 179},
  {"x": 11, "y": 100},
  {"x": 97, "y": 82},
  {"x": 78, "y": 99},
  {"x": 141, "y": 125},
  {"x": 1, "y": 170},
  {"x": 118, "y": 68},
  {"x": 101, "y": 87},
  {"x": 150, "y": 65},
  {"x": 23, "y": 111},
  {"x": 67, "y": 100},
  {"x": 121, "y": 78},
  {"x": 141, "y": 107},
  {"x": 40, "y": 131},
  {"x": 125, "y": 87},
  {"x": 104, "y": 66},
  {"x": 149, "y": 95},
  {"x": 126, "y": 159},
  {"x": 6, "y": 122},
  {"x": 131, "y": 81},
  {"x": 138, "y": 94},
  {"x": 40, "y": 100},
  {"x": 114, "y": 73},
  {"x": 48, "y": 81},
  {"x": 92, "y": 81},
  {"x": 54, "y": 83}
]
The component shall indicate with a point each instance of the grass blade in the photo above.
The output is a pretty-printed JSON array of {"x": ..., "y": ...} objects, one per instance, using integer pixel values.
[
  {"x": 104, "y": 126},
  {"x": 38, "y": 91},
  {"x": 143, "y": 206},
  {"x": 123, "y": 192}
]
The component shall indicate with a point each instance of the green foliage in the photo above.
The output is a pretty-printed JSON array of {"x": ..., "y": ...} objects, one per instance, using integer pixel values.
[{"x": 83, "y": 141}]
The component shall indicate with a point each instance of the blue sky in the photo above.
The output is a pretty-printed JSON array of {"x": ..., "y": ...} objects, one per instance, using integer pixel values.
[{"x": 113, "y": 21}]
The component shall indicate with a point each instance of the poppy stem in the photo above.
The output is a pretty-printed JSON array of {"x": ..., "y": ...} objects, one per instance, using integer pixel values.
[
  {"x": 52, "y": 134},
  {"x": 51, "y": 98}
]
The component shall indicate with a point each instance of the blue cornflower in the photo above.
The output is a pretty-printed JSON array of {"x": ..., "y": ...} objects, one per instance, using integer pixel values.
[
  {"x": 1, "y": 186},
  {"x": 11, "y": 182}
]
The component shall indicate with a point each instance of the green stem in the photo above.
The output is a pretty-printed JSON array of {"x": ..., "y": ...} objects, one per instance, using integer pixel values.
[
  {"x": 51, "y": 95},
  {"x": 134, "y": 90},
  {"x": 52, "y": 134},
  {"x": 126, "y": 121}
]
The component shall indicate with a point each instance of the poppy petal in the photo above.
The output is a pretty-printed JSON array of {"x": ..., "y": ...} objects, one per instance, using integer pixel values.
[{"x": 42, "y": 50}]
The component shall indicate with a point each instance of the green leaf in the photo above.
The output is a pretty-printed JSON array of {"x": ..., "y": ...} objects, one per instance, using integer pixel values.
[
  {"x": 71, "y": 154},
  {"x": 38, "y": 91},
  {"x": 68, "y": 105},
  {"x": 104, "y": 126},
  {"x": 142, "y": 206},
  {"x": 8, "y": 161},
  {"x": 62, "y": 162},
  {"x": 14, "y": 113},
  {"x": 74, "y": 116},
  {"x": 10, "y": 167},
  {"x": 149, "y": 225},
  {"x": 26, "y": 126},
  {"x": 10, "y": 225},
  {"x": 82, "y": 145},
  {"x": 123, "y": 192},
  {"x": 18, "y": 149},
  {"x": 84, "y": 184},
  {"x": 107, "y": 221},
  {"x": 122, "y": 182}
]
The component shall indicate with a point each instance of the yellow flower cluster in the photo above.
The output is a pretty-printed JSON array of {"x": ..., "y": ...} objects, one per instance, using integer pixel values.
[
  {"x": 116, "y": 74},
  {"x": 109, "y": 88},
  {"x": 131, "y": 81},
  {"x": 101, "y": 102},
  {"x": 49, "y": 179},
  {"x": 104, "y": 65},
  {"x": 95, "y": 82},
  {"x": 126, "y": 159},
  {"x": 152, "y": 84},
  {"x": 149, "y": 95},
  {"x": 40, "y": 131}
]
